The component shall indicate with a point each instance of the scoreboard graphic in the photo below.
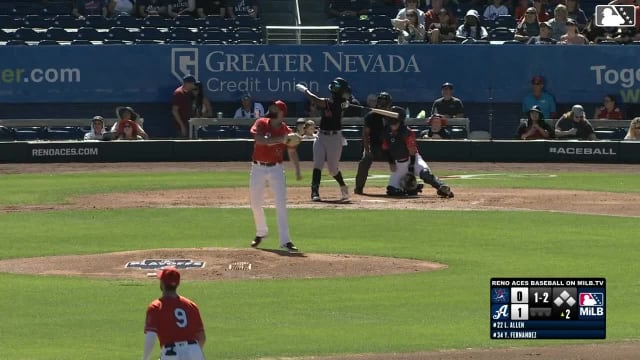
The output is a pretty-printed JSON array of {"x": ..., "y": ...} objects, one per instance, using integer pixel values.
[{"x": 548, "y": 308}]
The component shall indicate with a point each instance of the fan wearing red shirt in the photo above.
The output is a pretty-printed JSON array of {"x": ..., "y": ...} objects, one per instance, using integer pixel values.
[
  {"x": 175, "y": 321},
  {"x": 609, "y": 110},
  {"x": 270, "y": 134}
]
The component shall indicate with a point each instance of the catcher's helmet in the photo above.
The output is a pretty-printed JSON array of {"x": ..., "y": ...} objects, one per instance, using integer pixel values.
[
  {"x": 401, "y": 115},
  {"x": 340, "y": 86},
  {"x": 383, "y": 100}
]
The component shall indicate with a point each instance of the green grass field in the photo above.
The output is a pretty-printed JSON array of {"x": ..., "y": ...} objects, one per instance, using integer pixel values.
[{"x": 76, "y": 318}]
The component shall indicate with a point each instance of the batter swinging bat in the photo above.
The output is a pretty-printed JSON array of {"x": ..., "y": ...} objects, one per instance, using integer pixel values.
[{"x": 386, "y": 113}]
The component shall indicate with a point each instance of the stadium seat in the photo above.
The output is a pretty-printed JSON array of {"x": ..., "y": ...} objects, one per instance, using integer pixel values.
[
  {"x": 63, "y": 133},
  {"x": 90, "y": 34},
  {"x": 187, "y": 21},
  {"x": 148, "y": 42},
  {"x": 351, "y": 22},
  {"x": 387, "y": 42},
  {"x": 418, "y": 41},
  {"x": 277, "y": 6},
  {"x": 97, "y": 22},
  {"x": 150, "y": 33},
  {"x": 214, "y": 21},
  {"x": 245, "y": 42},
  {"x": 246, "y": 21},
  {"x": 183, "y": 34},
  {"x": 379, "y": 34},
  {"x": 500, "y": 34},
  {"x": 28, "y": 34},
  {"x": 6, "y": 8},
  {"x": 352, "y": 33},
  {"x": 7, "y": 134},
  {"x": 156, "y": 21},
  {"x": 16, "y": 42},
  {"x": 48, "y": 42},
  {"x": 9, "y": 22},
  {"x": 113, "y": 42},
  {"x": 4, "y": 36},
  {"x": 59, "y": 34},
  {"x": 179, "y": 42},
  {"x": 29, "y": 133},
  {"x": 120, "y": 33},
  {"x": 127, "y": 21},
  {"x": 379, "y": 21},
  {"x": 214, "y": 42},
  {"x": 67, "y": 22},
  {"x": 603, "y": 133},
  {"x": 215, "y": 34},
  {"x": 353, "y": 42},
  {"x": 56, "y": 9},
  {"x": 513, "y": 42},
  {"x": 28, "y": 8},
  {"x": 37, "y": 21},
  {"x": 504, "y": 21},
  {"x": 247, "y": 35},
  {"x": 81, "y": 42}
]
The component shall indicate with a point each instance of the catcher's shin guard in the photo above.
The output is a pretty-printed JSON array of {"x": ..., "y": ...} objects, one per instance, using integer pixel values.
[{"x": 430, "y": 179}]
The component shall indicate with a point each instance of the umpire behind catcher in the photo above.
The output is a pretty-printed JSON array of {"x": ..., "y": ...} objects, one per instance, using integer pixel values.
[{"x": 372, "y": 141}]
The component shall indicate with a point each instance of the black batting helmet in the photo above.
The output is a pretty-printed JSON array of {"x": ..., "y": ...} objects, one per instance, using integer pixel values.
[
  {"x": 402, "y": 114},
  {"x": 339, "y": 86},
  {"x": 383, "y": 100}
]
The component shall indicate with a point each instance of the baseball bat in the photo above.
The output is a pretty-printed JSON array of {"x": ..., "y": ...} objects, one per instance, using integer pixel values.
[{"x": 386, "y": 113}]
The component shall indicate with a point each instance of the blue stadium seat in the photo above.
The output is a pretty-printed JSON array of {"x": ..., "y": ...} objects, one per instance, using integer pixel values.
[
  {"x": 148, "y": 42},
  {"x": 6, "y": 8},
  {"x": 156, "y": 21},
  {"x": 247, "y": 35},
  {"x": 214, "y": 21},
  {"x": 351, "y": 22},
  {"x": 37, "y": 21},
  {"x": 386, "y": 42},
  {"x": 28, "y": 34},
  {"x": 500, "y": 34},
  {"x": 151, "y": 33},
  {"x": 67, "y": 22},
  {"x": 127, "y": 21},
  {"x": 513, "y": 42},
  {"x": 56, "y": 9},
  {"x": 351, "y": 33},
  {"x": 120, "y": 33},
  {"x": 113, "y": 42},
  {"x": 379, "y": 21},
  {"x": 503, "y": 21},
  {"x": 63, "y": 133},
  {"x": 214, "y": 42},
  {"x": 27, "y": 8},
  {"x": 353, "y": 42},
  {"x": 81, "y": 42},
  {"x": 9, "y": 22},
  {"x": 245, "y": 42},
  {"x": 186, "y": 21},
  {"x": 183, "y": 34},
  {"x": 16, "y": 42},
  {"x": 97, "y": 22},
  {"x": 48, "y": 42},
  {"x": 59, "y": 34},
  {"x": 90, "y": 34},
  {"x": 7, "y": 134},
  {"x": 215, "y": 34},
  {"x": 179, "y": 42},
  {"x": 379, "y": 34},
  {"x": 246, "y": 21},
  {"x": 29, "y": 133},
  {"x": 4, "y": 36}
]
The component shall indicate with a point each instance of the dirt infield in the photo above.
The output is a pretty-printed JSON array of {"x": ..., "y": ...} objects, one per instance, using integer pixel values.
[{"x": 269, "y": 264}]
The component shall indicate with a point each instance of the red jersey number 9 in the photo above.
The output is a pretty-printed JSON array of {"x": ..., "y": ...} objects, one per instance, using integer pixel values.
[{"x": 181, "y": 317}]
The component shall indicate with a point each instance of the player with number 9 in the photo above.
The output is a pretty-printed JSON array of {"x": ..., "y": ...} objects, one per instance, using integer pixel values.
[{"x": 175, "y": 321}]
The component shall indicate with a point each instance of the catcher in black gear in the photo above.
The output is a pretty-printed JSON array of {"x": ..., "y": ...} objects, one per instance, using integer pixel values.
[{"x": 399, "y": 142}]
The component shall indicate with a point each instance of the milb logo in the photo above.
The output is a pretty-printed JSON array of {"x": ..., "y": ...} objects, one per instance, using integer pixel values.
[
  {"x": 184, "y": 61},
  {"x": 591, "y": 304}
]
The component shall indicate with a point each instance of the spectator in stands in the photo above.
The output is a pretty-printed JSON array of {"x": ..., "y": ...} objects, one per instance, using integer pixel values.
[
  {"x": 545, "y": 35},
  {"x": 535, "y": 127},
  {"x": 410, "y": 29},
  {"x": 242, "y": 7},
  {"x": 152, "y": 7},
  {"x": 181, "y": 104},
  {"x": 82, "y": 8},
  {"x": 538, "y": 96},
  {"x": 442, "y": 29},
  {"x": 311, "y": 110},
  {"x": 576, "y": 13},
  {"x": 609, "y": 110},
  {"x": 211, "y": 7},
  {"x": 437, "y": 129},
  {"x": 634, "y": 130},
  {"x": 448, "y": 105},
  {"x": 573, "y": 37},
  {"x": 573, "y": 125},
  {"x": 541, "y": 10},
  {"x": 529, "y": 27},
  {"x": 495, "y": 9},
  {"x": 97, "y": 129},
  {"x": 126, "y": 114},
  {"x": 128, "y": 131},
  {"x": 181, "y": 7},
  {"x": 249, "y": 109},
  {"x": 559, "y": 22},
  {"x": 402, "y": 13},
  {"x": 306, "y": 128},
  {"x": 120, "y": 7},
  {"x": 471, "y": 28},
  {"x": 201, "y": 105},
  {"x": 521, "y": 8},
  {"x": 433, "y": 15}
]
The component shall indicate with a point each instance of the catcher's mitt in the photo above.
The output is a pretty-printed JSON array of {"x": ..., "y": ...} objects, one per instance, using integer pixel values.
[
  {"x": 409, "y": 182},
  {"x": 293, "y": 139}
]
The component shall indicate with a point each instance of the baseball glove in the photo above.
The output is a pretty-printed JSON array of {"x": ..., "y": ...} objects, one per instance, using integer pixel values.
[
  {"x": 293, "y": 139},
  {"x": 409, "y": 182}
]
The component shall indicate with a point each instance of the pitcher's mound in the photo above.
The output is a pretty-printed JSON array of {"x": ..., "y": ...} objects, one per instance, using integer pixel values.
[{"x": 220, "y": 264}]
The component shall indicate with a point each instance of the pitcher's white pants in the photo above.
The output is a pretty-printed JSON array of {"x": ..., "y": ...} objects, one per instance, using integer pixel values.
[
  {"x": 182, "y": 351},
  {"x": 274, "y": 175},
  {"x": 402, "y": 168}
]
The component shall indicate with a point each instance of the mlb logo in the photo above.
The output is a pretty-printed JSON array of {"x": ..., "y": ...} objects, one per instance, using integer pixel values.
[
  {"x": 591, "y": 299},
  {"x": 615, "y": 15},
  {"x": 500, "y": 295},
  {"x": 500, "y": 312}
]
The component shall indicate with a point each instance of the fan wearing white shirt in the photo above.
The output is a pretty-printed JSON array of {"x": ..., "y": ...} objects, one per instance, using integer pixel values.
[
  {"x": 249, "y": 109},
  {"x": 494, "y": 10}
]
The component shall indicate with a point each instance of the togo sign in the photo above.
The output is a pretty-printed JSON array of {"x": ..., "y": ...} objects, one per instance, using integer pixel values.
[{"x": 150, "y": 264}]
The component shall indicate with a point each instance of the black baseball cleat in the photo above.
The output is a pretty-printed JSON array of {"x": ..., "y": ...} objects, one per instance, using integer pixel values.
[
  {"x": 315, "y": 193},
  {"x": 290, "y": 247},
  {"x": 257, "y": 241},
  {"x": 358, "y": 191},
  {"x": 445, "y": 191}
]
